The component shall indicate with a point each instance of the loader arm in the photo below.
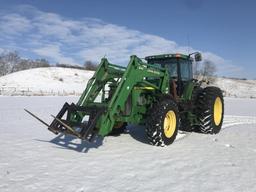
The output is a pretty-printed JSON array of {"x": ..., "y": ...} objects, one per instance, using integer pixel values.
[
  {"x": 99, "y": 109},
  {"x": 136, "y": 74}
]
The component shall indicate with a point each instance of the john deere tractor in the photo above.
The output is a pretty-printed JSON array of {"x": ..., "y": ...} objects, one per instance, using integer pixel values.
[{"x": 159, "y": 93}]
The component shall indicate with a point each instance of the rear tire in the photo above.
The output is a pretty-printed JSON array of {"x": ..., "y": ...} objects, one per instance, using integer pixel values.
[
  {"x": 210, "y": 110},
  {"x": 163, "y": 122}
]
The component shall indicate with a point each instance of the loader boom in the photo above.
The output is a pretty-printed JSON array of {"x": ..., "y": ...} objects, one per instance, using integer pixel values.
[{"x": 114, "y": 95}]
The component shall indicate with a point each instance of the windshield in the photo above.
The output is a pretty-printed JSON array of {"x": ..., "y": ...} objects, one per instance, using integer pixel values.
[{"x": 172, "y": 64}]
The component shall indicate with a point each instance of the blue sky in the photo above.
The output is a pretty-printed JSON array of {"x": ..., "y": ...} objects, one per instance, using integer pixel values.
[{"x": 75, "y": 31}]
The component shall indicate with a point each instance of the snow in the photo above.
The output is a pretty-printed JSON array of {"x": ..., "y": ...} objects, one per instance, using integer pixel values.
[
  {"x": 237, "y": 88},
  {"x": 66, "y": 81},
  {"x": 34, "y": 159},
  {"x": 45, "y": 81}
]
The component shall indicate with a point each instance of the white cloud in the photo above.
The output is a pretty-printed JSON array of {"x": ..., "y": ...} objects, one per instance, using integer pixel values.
[
  {"x": 14, "y": 24},
  {"x": 65, "y": 40},
  {"x": 53, "y": 51}
]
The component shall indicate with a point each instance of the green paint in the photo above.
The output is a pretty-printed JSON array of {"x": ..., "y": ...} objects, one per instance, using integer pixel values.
[{"x": 133, "y": 89}]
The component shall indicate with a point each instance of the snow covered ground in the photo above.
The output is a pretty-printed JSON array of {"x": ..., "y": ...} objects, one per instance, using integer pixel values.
[
  {"x": 45, "y": 81},
  {"x": 33, "y": 159},
  {"x": 66, "y": 81}
]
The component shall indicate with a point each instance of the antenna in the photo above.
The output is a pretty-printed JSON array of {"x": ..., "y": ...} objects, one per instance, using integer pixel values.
[{"x": 188, "y": 42}]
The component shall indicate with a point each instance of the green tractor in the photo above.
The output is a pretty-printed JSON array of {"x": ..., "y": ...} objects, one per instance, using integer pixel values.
[{"x": 160, "y": 94}]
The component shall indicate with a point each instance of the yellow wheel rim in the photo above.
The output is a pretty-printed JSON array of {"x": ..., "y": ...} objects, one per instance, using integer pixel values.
[
  {"x": 217, "y": 111},
  {"x": 169, "y": 123}
]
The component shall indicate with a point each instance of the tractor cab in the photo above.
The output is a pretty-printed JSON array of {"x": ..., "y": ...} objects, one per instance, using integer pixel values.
[{"x": 179, "y": 67}]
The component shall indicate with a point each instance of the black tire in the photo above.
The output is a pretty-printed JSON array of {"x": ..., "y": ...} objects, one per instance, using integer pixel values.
[
  {"x": 210, "y": 110},
  {"x": 166, "y": 108}
]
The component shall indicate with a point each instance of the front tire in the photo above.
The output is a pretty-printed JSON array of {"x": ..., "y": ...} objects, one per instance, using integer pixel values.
[{"x": 163, "y": 122}]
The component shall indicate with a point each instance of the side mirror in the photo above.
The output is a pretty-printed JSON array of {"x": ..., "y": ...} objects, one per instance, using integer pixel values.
[{"x": 198, "y": 57}]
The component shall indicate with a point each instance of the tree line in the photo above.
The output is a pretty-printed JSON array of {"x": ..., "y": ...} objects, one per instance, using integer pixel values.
[{"x": 12, "y": 62}]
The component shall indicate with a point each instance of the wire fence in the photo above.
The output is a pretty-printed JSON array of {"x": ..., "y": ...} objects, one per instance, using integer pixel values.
[{"x": 14, "y": 91}]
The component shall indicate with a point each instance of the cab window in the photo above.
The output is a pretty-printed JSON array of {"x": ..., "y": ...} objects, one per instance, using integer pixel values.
[{"x": 185, "y": 70}]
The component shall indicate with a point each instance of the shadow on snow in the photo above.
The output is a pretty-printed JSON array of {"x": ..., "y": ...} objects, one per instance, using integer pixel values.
[{"x": 72, "y": 143}]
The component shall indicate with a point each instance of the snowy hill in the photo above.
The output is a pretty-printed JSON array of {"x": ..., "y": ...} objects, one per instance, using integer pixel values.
[
  {"x": 66, "y": 81},
  {"x": 45, "y": 81},
  {"x": 237, "y": 88}
]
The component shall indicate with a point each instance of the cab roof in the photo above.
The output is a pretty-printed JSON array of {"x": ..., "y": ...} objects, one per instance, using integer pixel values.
[{"x": 170, "y": 55}]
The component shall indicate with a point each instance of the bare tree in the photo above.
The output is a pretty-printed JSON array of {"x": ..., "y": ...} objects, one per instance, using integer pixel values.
[
  {"x": 69, "y": 66},
  {"x": 41, "y": 63},
  {"x": 11, "y": 62},
  {"x": 8, "y": 61},
  {"x": 89, "y": 65},
  {"x": 206, "y": 70},
  {"x": 3, "y": 68}
]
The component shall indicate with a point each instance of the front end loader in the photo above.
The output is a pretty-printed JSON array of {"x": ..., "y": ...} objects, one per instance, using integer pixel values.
[{"x": 160, "y": 94}]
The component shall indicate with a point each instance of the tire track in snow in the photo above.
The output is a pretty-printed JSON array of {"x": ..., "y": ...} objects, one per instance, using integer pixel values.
[
  {"x": 231, "y": 120},
  {"x": 228, "y": 122}
]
